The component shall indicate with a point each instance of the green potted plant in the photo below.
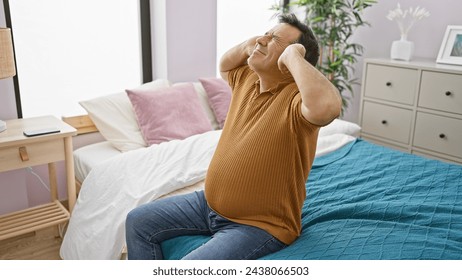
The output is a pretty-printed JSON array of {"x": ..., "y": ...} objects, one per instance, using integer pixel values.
[{"x": 333, "y": 22}]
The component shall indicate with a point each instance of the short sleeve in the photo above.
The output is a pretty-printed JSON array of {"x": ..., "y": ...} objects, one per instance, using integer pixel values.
[
  {"x": 238, "y": 76},
  {"x": 298, "y": 120}
]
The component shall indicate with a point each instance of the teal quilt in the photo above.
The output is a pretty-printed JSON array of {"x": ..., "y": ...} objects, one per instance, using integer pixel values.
[{"x": 366, "y": 201}]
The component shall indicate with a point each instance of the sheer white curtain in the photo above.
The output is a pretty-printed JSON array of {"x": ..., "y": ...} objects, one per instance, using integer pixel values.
[
  {"x": 238, "y": 20},
  {"x": 72, "y": 50}
]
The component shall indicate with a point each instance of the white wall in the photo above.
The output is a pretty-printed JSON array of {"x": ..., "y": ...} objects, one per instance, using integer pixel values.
[{"x": 255, "y": 18}]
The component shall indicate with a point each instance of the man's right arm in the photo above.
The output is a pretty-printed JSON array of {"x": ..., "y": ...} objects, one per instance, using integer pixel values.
[{"x": 236, "y": 56}]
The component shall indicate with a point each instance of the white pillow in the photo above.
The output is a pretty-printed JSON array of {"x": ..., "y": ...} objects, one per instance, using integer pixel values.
[
  {"x": 330, "y": 143},
  {"x": 340, "y": 126},
  {"x": 336, "y": 135},
  {"x": 115, "y": 118}
]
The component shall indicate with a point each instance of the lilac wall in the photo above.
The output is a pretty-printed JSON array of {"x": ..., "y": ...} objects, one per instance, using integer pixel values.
[
  {"x": 13, "y": 189},
  {"x": 7, "y": 99},
  {"x": 191, "y": 39}
]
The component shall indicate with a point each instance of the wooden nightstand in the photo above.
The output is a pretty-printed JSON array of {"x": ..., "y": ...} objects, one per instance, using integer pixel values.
[{"x": 18, "y": 151}]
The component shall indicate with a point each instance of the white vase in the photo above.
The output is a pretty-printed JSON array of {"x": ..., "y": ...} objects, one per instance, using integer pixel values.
[{"x": 402, "y": 49}]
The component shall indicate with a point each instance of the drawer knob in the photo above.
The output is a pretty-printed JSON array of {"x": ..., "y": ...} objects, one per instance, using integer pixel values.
[
  {"x": 442, "y": 135},
  {"x": 23, "y": 154},
  {"x": 388, "y": 84},
  {"x": 448, "y": 93},
  {"x": 384, "y": 122}
]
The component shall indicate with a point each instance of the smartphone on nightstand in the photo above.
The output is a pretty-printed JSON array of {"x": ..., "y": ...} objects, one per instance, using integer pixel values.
[{"x": 42, "y": 131}]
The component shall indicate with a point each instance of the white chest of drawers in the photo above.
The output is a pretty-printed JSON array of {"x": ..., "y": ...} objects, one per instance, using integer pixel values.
[{"x": 413, "y": 106}]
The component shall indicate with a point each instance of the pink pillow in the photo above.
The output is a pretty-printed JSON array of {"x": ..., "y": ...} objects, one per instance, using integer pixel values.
[
  {"x": 219, "y": 94},
  {"x": 168, "y": 113}
]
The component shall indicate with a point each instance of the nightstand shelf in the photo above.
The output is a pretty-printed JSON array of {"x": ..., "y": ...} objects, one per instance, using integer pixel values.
[
  {"x": 18, "y": 151},
  {"x": 32, "y": 219}
]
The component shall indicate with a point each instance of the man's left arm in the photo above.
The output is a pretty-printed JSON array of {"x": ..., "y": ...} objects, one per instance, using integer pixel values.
[{"x": 321, "y": 101}]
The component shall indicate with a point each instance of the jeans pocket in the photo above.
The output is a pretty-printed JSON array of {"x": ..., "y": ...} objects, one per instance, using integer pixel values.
[
  {"x": 278, "y": 245},
  {"x": 216, "y": 221}
]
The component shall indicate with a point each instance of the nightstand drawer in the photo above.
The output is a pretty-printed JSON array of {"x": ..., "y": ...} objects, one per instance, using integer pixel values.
[
  {"x": 31, "y": 154},
  {"x": 438, "y": 133},
  {"x": 391, "y": 83},
  {"x": 441, "y": 91},
  {"x": 387, "y": 121}
]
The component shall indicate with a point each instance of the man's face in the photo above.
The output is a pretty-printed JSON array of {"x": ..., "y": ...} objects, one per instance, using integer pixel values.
[{"x": 270, "y": 46}]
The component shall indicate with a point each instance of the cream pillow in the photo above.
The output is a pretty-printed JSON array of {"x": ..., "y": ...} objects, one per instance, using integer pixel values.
[
  {"x": 340, "y": 126},
  {"x": 336, "y": 135},
  {"x": 115, "y": 118}
]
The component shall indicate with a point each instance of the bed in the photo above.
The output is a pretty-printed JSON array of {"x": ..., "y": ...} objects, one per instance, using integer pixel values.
[
  {"x": 369, "y": 202},
  {"x": 364, "y": 201}
]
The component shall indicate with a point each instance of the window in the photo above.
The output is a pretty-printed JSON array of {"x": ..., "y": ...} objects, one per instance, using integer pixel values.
[
  {"x": 73, "y": 50},
  {"x": 238, "y": 20}
]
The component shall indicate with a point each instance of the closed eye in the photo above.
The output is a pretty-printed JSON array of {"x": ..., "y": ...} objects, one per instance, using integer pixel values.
[{"x": 271, "y": 35}]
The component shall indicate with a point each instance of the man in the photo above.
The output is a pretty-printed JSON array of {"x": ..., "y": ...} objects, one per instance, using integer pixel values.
[{"x": 255, "y": 184}]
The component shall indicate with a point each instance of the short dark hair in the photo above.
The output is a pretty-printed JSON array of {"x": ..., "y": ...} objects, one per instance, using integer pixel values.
[{"x": 307, "y": 38}]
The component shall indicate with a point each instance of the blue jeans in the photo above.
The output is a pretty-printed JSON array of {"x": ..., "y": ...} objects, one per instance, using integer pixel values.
[{"x": 148, "y": 225}]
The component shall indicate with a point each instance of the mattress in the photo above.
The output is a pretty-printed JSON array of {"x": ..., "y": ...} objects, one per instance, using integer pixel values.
[
  {"x": 366, "y": 201},
  {"x": 87, "y": 157},
  {"x": 331, "y": 137}
]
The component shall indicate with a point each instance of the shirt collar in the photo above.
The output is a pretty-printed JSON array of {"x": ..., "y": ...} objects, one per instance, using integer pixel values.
[{"x": 278, "y": 87}]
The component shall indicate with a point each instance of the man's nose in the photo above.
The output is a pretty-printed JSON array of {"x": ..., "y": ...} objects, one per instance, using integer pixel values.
[{"x": 263, "y": 40}]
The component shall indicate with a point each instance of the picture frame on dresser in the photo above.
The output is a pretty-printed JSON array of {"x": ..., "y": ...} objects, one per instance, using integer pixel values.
[{"x": 451, "y": 47}]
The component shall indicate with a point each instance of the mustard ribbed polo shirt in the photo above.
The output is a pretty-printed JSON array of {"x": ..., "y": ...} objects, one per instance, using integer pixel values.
[{"x": 258, "y": 172}]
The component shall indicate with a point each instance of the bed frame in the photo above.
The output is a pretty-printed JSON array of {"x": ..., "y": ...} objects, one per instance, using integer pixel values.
[{"x": 84, "y": 125}]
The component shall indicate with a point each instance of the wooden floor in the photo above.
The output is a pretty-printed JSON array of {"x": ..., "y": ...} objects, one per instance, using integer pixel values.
[{"x": 39, "y": 245}]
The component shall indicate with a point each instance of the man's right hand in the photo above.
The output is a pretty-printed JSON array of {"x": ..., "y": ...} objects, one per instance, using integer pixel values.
[{"x": 237, "y": 56}]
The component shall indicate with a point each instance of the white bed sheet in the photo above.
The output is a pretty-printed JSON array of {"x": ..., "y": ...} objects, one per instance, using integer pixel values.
[
  {"x": 87, "y": 157},
  {"x": 96, "y": 229}
]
